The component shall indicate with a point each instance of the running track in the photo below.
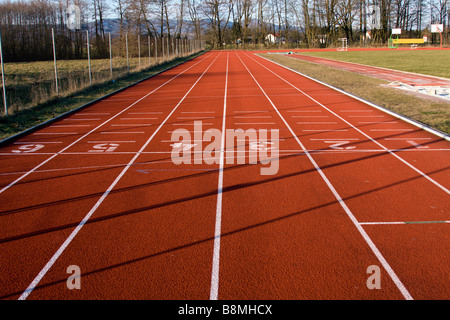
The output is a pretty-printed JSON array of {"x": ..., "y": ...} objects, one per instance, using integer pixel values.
[{"x": 356, "y": 187}]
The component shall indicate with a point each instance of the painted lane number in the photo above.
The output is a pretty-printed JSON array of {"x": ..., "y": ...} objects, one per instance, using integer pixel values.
[
  {"x": 105, "y": 147},
  {"x": 28, "y": 148},
  {"x": 339, "y": 145}
]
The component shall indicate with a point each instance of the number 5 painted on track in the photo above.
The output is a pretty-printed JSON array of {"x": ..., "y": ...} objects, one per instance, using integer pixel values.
[
  {"x": 105, "y": 147},
  {"x": 28, "y": 148}
]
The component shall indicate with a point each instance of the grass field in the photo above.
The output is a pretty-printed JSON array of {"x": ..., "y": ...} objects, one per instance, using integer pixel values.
[
  {"x": 431, "y": 62},
  {"x": 426, "y": 110},
  {"x": 31, "y": 83}
]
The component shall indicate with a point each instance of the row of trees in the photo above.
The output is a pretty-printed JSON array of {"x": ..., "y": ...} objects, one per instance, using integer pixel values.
[{"x": 26, "y": 25}]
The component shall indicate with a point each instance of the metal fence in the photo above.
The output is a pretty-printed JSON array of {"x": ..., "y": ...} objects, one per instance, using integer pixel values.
[{"x": 104, "y": 59}]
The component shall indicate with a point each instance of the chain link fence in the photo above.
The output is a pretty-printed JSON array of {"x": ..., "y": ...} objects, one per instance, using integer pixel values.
[{"x": 81, "y": 61}]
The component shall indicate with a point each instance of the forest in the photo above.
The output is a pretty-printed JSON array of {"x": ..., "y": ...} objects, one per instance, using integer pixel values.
[{"x": 26, "y": 26}]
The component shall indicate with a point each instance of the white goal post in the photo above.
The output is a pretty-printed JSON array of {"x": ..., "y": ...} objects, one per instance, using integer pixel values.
[{"x": 343, "y": 44}]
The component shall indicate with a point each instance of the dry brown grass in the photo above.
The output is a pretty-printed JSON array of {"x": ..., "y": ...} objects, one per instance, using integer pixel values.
[{"x": 429, "y": 111}]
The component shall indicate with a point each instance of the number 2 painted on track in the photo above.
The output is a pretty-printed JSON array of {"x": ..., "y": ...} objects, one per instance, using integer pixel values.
[
  {"x": 105, "y": 147},
  {"x": 28, "y": 148},
  {"x": 339, "y": 144}
]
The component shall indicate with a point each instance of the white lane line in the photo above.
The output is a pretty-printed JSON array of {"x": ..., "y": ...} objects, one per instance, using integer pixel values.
[
  {"x": 407, "y": 138},
  {"x": 61, "y": 249},
  {"x": 124, "y": 132},
  {"x": 309, "y": 116},
  {"x": 70, "y": 125},
  {"x": 50, "y": 133},
  {"x": 132, "y": 124},
  {"x": 250, "y": 111},
  {"x": 192, "y": 124},
  {"x": 447, "y": 191},
  {"x": 363, "y": 233},
  {"x": 389, "y": 130},
  {"x": 356, "y": 111},
  {"x": 383, "y": 122},
  {"x": 257, "y": 123},
  {"x": 93, "y": 130},
  {"x": 144, "y": 112},
  {"x": 31, "y": 142},
  {"x": 403, "y": 222},
  {"x": 253, "y": 117},
  {"x": 91, "y": 119},
  {"x": 344, "y": 139},
  {"x": 316, "y": 122},
  {"x": 138, "y": 118},
  {"x": 111, "y": 141},
  {"x": 342, "y": 130},
  {"x": 198, "y": 112},
  {"x": 185, "y": 118},
  {"x": 306, "y": 111},
  {"x": 214, "y": 293},
  {"x": 366, "y": 116}
]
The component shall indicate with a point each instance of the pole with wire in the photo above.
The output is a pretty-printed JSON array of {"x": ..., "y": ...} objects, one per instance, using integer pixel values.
[{"x": 3, "y": 76}]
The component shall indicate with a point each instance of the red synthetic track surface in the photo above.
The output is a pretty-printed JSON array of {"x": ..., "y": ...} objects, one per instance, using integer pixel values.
[
  {"x": 411, "y": 79},
  {"x": 98, "y": 189}
]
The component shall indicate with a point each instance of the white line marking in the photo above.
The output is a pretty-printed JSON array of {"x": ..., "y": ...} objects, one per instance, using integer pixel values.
[
  {"x": 249, "y": 111},
  {"x": 304, "y": 111},
  {"x": 356, "y": 111},
  {"x": 44, "y": 133},
  {"x": 70, "y": 125},
  {"x": 360, "y": 131},
  {"x": 55, "y": 257},
  {"x": 93, "y": 130},
  {"x": 198, "y": 112},
  {"x": 255, "y": 123},
  {"x": 82, "y": 119},
  {"x": 366, "y": 116},
  {"x": 144, "y": 112},
  {"x": 253, "y": 117},
  {"x": 27, "y": 142},
  {"x": 132, "y": 124},
  {"x": 407, "y": 139},
  {"x": 138, "y": 118},
  {"x": 316, "y": 122},
  {"x": 192, "y": 124},
  {"x": 403, "y": 222},
  {"x": 122, "y": 132},
  {"x": 363, "y": 233},
  {"x": 186, "y": 118},
  {"x": 337, "y": 139},
  {"x": 342, "y": 130},
  {"x": 392, "y": 130},
  {"x": 111, "y": 141},
  {"x": 309, "y": 116},
  {"x": 214, "y": 293}
]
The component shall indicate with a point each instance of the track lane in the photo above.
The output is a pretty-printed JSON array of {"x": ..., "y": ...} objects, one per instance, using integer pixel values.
[
  {"x": 303, "y": 247},
  {"x": 368, "y": 184},
  {"x": 72, "y": 129},
  {"x": 53, "y": 202},
  {"x": 151, "y": 233}
]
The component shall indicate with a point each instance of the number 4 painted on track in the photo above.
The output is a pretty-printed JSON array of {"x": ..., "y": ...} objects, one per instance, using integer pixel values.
[{"x": 339, "y": 144}]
